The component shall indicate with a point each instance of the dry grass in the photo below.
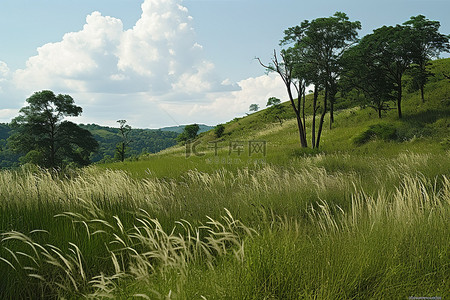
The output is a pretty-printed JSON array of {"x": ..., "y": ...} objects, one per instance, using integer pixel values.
[{"x": 102, "y": 234}]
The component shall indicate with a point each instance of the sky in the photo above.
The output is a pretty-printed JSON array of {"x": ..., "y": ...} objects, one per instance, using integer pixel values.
[{"x": 158, "y": 63}]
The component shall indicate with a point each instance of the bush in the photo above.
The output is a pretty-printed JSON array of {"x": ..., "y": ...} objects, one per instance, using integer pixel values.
[
  {"x": 386, "y": 132},
  {"x": 219, "y": 130}
]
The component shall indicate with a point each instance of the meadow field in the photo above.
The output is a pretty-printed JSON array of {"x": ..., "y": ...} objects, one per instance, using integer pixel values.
[
  {"x": 327, "y": 227},
  {"x": 364, "y": 217}
]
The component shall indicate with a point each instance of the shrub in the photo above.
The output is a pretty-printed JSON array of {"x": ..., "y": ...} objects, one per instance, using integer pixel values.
[
  {"x": 218, "y": 130},
  {"x": 386, "y": 132}
]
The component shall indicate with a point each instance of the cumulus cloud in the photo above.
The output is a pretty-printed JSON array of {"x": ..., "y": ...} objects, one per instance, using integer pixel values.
[
  {"x": 227, "y": 105},
  {"x": 153, "y": 74},
  {"x": 8, "y": 114},
  {"x": 4, "y": 71},
  {"x": 158, "y": 55},
  {"x": 78, "y": 61}
]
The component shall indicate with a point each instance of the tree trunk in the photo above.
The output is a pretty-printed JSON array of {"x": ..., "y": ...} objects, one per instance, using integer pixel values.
[
  {"x": 399, "y": 100},
  {"x": 379, "y": 113},
  {"x": 313, "y": 129},
  {"x": 52, "y": 145},
  {"x": 322, "y": 117},
  {"x": 303, "y": 141},
  {"x": 422, "y": 93},
  {"x": 331, "y": 110},
  {"x": 301, "y": 131},
  {"x": 304, "y": 104},
  {"x": 122, "y": 154}
]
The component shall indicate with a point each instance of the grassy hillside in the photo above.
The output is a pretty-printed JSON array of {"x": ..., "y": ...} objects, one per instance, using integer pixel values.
[
  {"x": 364, "y": 217},
  {"x": 425, "y": 128}
]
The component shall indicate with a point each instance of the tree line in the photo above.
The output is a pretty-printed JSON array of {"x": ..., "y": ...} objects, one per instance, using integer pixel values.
[{"x": 328, "y": 54}]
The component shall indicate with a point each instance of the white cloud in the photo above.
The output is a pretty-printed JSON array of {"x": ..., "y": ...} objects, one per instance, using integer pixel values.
[
  {"x": 158, "y": 55},
  {"x": 79, "y": 60},
  {"x": 153, "y": 74},
  {"x": 7, "y": 114},
  {"x": 4, "y": 71},
  {"x": 225, "y": 106}
]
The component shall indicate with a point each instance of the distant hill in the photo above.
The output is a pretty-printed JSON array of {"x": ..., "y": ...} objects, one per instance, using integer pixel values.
[
  {"x": 4, "y": 131},
  {"x": 143, "y": 141},
  {"x": 7, "y": 158},
  {"x": 180, "y": 128}
]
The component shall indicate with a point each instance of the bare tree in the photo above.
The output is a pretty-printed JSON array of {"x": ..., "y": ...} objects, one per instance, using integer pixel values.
[{"x": 285, "y": 69}]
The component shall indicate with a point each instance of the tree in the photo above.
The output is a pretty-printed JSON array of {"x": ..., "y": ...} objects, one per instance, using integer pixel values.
[
  {"x": 327, "y": 39},
  {"x": 189, "y": 133},
  {"x": 273, "y": 101},
  {"x": 124, "y": 131},
  {"x": 323, "y": 41},
  {"x": 318, "y": 46},
  {"x": 275, "y": 109},
  {"x": 253, "y": 107},
  {"x": 41, "y": 133},
  {"x": 427, "y": 44},
  {"x": 219, "y": 130},
  {"x": 392, "y": 52},
  {"x": 285, "y": 69},
  {"x": 362, "y": 73}
]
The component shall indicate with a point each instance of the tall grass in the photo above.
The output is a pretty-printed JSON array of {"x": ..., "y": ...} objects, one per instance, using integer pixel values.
[{"x": 335, "y": 226}]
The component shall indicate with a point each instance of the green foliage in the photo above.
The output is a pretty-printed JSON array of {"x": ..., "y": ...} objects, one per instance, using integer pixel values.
[
  {"x": 144, "y": 140},
  {"x": 253, "y": 107},
  {"x": 273, "y": 101},
  {"x": 364, "y": 75},
  {"x": 219, "y": 130},
  {"x": 189, "y": 133},
  {"x": 383, "y": 131},
  {"x": 275, "y": 113},
  {"x": 7, "y": 157},
  {"x": 428, "y": 43},
  {"x": 40, "y": 128}
]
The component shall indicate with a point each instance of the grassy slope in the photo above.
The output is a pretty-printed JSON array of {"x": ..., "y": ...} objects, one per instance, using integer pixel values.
[
  {"x": 424, "y": 129},
  {"x": 348, "y": 222}
]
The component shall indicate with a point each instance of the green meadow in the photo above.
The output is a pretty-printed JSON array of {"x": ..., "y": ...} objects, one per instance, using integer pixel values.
[{"x": 363, "y": 217}]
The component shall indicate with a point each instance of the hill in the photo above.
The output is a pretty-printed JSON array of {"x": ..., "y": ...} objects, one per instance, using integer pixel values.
[
  {"x": 143, "y": 141},
  {"x": 249, "y": 215},
  {"x": 425, "y": 128}
]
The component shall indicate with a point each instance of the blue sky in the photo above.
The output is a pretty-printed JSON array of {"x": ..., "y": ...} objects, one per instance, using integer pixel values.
[{"x": 166, "y": 62}]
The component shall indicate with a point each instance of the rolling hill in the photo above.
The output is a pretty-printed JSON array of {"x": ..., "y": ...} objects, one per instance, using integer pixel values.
[{"x": 249, "y": 215}]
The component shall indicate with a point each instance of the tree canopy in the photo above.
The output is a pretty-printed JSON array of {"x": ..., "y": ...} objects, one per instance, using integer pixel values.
[
  {"x": 327, "y": 53},
  {"x": 189, "y": 133},
  {"x": 427, "y": 44},
  {"x": 41, "y": 133},
  {"x": 314, "y": 56},
  {"x": 253, "y": 107}
]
